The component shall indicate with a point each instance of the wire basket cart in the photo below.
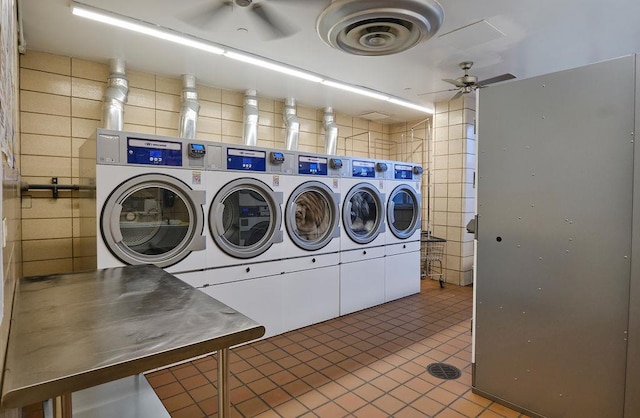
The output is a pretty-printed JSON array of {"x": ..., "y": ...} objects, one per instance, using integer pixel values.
[{"x": 432, "y": 251}]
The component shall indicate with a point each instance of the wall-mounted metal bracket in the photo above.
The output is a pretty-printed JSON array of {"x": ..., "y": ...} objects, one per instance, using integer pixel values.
[{"x": 54, "y": 187}]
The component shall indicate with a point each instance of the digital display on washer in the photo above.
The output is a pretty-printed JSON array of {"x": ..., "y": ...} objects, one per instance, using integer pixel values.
[
  {"x": 315, "y": 166},
  {"x": 246, "y": 160},
  {"x": 403, "y": 172},
  {"x": 154, "y": 152},
  {"x": 363, "y": 169}
]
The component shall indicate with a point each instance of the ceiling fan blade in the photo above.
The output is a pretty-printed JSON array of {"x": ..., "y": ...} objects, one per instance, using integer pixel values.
[
  {"x": 207, "y": 13},
  {"x": 495, "y": 79},
  {"x": 457, "y": 95},
  {"x": 278, "y": 27},
  {"x": 434, "y": 92},
  {"x": 454, "y": 82}
]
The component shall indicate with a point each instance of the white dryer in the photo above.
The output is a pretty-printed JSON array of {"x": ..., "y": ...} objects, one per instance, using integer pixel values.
[
  {"x": 362, "y": 239},
  {"x": 150, "y": 195},
  {"x": 245, "y": 249},
  {"x": 402, "y": 242},
  {"x": 311, "y": 285},
  {"x": 245, "y": 215},
  {"x": 312, "y": 206}
]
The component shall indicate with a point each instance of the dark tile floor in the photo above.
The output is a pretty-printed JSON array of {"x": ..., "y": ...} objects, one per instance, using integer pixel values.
[{"x": 367, "y": 364}]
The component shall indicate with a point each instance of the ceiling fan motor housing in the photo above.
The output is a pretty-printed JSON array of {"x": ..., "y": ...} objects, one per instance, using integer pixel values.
[
  {"x": 378, "y": 27},
  {"x": 468, "y": 79}
]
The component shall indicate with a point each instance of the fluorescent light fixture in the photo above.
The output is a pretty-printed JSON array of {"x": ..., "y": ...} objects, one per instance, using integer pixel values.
[
  {"x": 170, "y": 35},
  {"x": 411, "y": 105},
  {"x": 357, "y": 90},
  {"x": 143, "y": 27},
  {"x": 273, "y": 66}
]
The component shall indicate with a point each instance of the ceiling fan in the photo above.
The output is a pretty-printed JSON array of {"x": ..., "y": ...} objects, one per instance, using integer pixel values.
[
  {"x": 469, "y": 83},
  {"x": 212, "y": 11}
]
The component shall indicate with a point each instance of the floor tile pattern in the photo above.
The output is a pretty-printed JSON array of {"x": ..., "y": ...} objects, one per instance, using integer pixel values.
[{"x": 367, "y": 364}]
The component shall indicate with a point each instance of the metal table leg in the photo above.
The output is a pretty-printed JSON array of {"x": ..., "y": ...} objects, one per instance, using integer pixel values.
[
  {"x": 223, "y": 383},
  {"x": 62, "y": 406}
]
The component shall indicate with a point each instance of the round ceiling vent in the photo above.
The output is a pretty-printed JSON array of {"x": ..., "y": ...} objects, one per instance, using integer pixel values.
[{"x": 378, "y": 27}]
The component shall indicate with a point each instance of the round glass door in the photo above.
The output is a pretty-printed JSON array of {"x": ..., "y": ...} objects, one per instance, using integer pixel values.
[
  {"x": 153, "y": 219},
  {"x": 245, "y": 218},
  {"x": 362, "y": 213},
  {"x": 403, "y": 212},
  {"x": 312, "y": 215}
]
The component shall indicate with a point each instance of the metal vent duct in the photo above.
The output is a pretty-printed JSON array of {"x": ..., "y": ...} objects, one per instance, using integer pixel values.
[
  {"x": 115, "y": 96},
  {"x": 190, "y": 107},
  {"x": 331, "y": 131},
  {"x": 291, "y": 124},
  {"x": 379, "y": 27},
  {"x": 251, "y": 118}
]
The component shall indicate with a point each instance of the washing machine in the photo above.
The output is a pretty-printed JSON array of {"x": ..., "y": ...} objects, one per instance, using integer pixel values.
[
  {"x": 245, "y": 234},
  {"x": 402, "y": 236},
  {"x": 362, "y": 239},
  {"x": 311, "y": 285},
  {"x": 245, "y": 208},
  {"x": 312, "y": 202},
  {"x": 150, "y": 198}
]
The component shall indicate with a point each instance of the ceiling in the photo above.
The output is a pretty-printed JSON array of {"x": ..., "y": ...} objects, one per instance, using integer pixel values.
[{"x": 523, "y": 37}]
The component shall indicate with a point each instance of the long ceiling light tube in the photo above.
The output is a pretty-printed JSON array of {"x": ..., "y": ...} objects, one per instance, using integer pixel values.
[
  {"x": 144, "y": 28},
  {"x": 171, "y": 35},
  {"x": 410, "y": 105},
  {"x": 260, "y": 62},
  {"x": 358, "y": 90}
]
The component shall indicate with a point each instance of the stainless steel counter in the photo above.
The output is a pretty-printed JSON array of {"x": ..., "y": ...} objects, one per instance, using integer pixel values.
[{"x": 74, "y": 331}]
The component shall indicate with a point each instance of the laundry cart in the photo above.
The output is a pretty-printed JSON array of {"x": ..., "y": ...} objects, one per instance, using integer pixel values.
[{"x": 432, "y": 251}]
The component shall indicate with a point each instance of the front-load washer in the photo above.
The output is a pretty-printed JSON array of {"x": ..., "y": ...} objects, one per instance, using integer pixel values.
[
  {"x": 363, "y": 234},
  {"x": 402, "y": 241},
  {"x": 245, "y": 250},
  {"x": 311, "y": 284},
  {"x": 312, "y": 206},
  {"x": 245, "y": 214},
  {"x": 150, "y": 198}
]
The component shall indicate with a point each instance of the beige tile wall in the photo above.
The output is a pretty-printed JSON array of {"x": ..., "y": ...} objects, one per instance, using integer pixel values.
[
  {"x": 453, "y": 185},
  {"x": 61, "y": 106}
]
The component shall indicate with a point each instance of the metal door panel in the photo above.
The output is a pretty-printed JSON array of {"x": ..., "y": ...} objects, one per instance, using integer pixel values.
[
  {"x": 554, "y": 234},
  {"x": 632, "y": 400}
]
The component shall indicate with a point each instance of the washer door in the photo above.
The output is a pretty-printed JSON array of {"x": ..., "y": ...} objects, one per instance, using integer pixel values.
[
  {"x": 403, "y": 212},
  {"x": 153, "y": 219},
  {"x": 245, "y": 218},
  {"x": 363, "y": 213},
  {"x": 312, "y": 215}
]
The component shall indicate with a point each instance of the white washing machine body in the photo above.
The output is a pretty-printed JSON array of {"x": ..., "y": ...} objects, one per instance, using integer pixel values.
[
  {"x": 311, "y": 215},
  {"x": 402, "y": 241},
  {"x": 311, "y": 285},
  {"x": 363, "y": 203},
  {"x": 403, "y": 206},
  {"x": 283, "y": 282},
  {"x": 150, "y": 198},
  {"x": 245, "y": 206},
  {"x": 363, "y": 233}
]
